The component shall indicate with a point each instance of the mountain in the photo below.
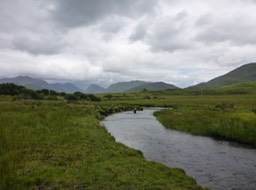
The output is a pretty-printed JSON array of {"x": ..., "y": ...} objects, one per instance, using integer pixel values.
[
  {"x": 245, "y": 73},
  {"x": 95, "y": 89},
  {"x": 37, "y": 84},
  {"x": 64, "y": 87},
  {"x": 136, "y": 86},
  {"x": 153, "y": 86},
  {"x": 124, "y": 86},
  {"x": 26, "y": 81}
]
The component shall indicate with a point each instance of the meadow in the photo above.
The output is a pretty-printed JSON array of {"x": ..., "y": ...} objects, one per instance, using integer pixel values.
[
  {"x": 53, "y": 143},
  {"x": 61, "y": 145},
  {"x": 229, "y": 117}
]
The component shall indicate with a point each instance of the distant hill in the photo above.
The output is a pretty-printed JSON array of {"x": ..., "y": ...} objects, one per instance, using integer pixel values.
[
  {"x": 38, "y": 84},
  {"x": 26, "y": 81},
  {"x": 95, "y": 89},
  {"x": 64, "y": 87},
  {"x": 124, "y": 86},
  {"x": 153, "y": 86},
  {"x": 244, "y": 73}
]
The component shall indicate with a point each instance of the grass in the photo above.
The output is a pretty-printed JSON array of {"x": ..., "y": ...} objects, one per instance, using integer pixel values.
[
  {"x": 229, "y": 117},
  {"x": 237, "y": 125},
  {"x": 240, "y": 88},
  {"x": 55, "y": 145}
]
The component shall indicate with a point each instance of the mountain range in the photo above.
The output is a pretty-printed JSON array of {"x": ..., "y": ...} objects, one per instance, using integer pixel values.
[
  {"x": 38, "y": 84},
  {"x": 243, "y": 74},
  {"x": 132, "y": 86}
]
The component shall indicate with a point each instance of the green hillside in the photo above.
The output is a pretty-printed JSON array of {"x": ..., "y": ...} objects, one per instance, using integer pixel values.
[
  {"x": 244, "y": 73},
  {"x": 240, "y": 88},
  {"x": 124, "y": 86},
  {"x": 153, "y": 86}
]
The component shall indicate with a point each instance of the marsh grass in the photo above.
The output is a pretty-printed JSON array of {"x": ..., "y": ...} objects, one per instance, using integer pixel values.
[
  {"x": 238, "y": 126},
  {"x": 54, "y": 145}
]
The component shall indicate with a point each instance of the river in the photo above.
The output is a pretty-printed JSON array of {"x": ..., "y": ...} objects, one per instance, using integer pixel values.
[{"x": 215, "y": 164}]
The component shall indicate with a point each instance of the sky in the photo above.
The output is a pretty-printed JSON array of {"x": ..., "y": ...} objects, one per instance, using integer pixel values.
[{"x": 181, "y": 42}]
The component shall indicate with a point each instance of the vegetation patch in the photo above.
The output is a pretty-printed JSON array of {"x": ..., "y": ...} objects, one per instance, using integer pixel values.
[
  {"x": 222, "y": 122},
  {"x": 60, "y": 145}
]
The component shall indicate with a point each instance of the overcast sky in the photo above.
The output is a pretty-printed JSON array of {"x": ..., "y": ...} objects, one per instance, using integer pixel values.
[{"x": 181, "y": 42}]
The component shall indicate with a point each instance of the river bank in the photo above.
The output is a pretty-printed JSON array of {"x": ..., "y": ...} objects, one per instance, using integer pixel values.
[
  {"x": 56, "y": 145},
  {"x": 214, "y": 164},
  {"x": 230, "y": 125}
]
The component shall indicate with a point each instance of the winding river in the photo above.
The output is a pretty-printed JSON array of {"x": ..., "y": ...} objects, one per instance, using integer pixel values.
[{"x": 214, "y": 164}]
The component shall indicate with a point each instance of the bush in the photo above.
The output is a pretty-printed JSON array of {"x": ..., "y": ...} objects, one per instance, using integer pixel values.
[
  {"x": 28, "y": 94},
  {"x": 71, "y": 97}
]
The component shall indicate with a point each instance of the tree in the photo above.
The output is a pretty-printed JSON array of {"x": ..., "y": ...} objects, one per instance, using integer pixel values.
[
  {"x": 10, "y": 89},
  {"x": 28, "y": 94}
]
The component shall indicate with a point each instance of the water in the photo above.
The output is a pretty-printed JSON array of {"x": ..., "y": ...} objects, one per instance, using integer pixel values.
[{"x": 214, "y": 164}]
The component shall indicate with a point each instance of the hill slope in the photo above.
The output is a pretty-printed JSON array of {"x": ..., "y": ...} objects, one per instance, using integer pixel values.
[
  {"x": 26, "y": 81},
  {"x": 244, "y": 73},
  {"x": 95, "y": 89},
  {"x": 64, "y": 87},
  {"x": 124, "y": 86},
  {"x": 153, "y": 86},
  {"x": 240, "y": 88}
]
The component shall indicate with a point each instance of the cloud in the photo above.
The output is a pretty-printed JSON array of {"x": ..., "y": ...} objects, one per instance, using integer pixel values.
[
  {"x": 181, "y": 42},
  {"x": 140, "y": 31},
  {"x": 165, "y": 33},
  {"x": 168, "y": 34},
  {"x": 236, "y": 28},
  {"x": 84, "y": 12},
  {"x": 28, "y": 28},
  {"x": 38, "y": 44}
]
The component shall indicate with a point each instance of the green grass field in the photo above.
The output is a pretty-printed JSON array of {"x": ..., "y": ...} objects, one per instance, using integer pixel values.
[
  {"x": 231, "y": 118},
  {"x": 57, "y": 145}
]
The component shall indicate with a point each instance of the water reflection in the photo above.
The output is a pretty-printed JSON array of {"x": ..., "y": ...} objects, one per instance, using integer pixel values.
[{"x": 214, "y": 164}]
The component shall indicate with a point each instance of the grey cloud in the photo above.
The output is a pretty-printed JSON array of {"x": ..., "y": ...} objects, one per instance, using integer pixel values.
[
  {"x": 181, "y": 15},
  {"x": 167, "y": 33},
  {"x": 37, "y": 45},
  {"x": 16, "y": 15},
  {"x": 27, "y": 27},
  {"x": 170, "y": 35},
  {"x": 5, "y": 41},
  {"x": 112, "y": 24},
  {"x": 140, "y": 32},
  {"x": 77, "y": 13},
  {"x": 237, "y": 30}
]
